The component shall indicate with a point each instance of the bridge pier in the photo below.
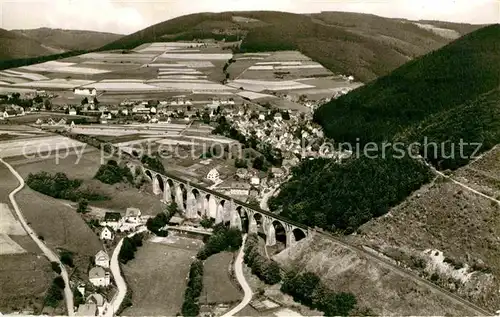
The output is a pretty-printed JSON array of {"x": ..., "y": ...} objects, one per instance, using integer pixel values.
[
  {"x": 167, "y": 194},
  {"x": 156, "y": 185}
]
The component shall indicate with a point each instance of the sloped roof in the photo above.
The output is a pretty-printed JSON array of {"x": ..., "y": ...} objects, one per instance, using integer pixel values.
[
  {"x": 132, "y": 212},
  {"x": 96, "y": 298},
  {"x": 101, "y": 254},
  {"x": 97, "y": 272}
]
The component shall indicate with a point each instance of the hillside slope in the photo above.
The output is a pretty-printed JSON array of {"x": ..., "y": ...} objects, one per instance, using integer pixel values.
[
  {"x": 70, "y": 40},
  {"x": 365, "y": 46},
  {"x": 382, "y": 290},
  {"x": 15, "y": 45},
  {"x": 437, "y": 82}
]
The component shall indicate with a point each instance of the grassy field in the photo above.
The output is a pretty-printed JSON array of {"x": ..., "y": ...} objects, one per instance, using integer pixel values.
[
  {"x": 158, "y": 276},
  {"x": 446, "y": 234},
  {"x": 58, "y": 224},
  {"x": 24, "y": 279},
  {"x": 217, "y": 285}
]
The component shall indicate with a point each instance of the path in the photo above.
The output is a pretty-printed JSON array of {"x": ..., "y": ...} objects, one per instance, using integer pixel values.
[
  {"x": 121, "y": 286},
  {"x": 68, "y": 294},
  {"x": 238, "y": 269}
]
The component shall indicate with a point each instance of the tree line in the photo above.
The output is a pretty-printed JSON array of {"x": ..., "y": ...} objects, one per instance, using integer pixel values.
[
  {"x": 265, "y": 269},
  {"x": 61, "y": 187},
  {"x": 129, "y": 247}
]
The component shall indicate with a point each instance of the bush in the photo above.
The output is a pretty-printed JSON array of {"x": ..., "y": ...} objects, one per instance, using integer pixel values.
[
  {"x": 190, "y": 306},
  {"x": 307, "y": 289},
  {"x": 222, "y": 239},
  {"x": 129, "y": 246},
  {"x": 55, "y": 293},
  {"x": 82, "y": 206},
  {"x": 207, "y": 222},
  {"x": 67, "y": 258},
  {"x": 55, "y": 267},
  {"x": 153, "y": 163},
  {"x": 111, "y": 173},
  {"x": 265, "y": 269}
]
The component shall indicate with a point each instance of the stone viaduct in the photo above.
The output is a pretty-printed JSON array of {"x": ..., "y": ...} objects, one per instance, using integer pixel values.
[{"x": 197, "y": 202}]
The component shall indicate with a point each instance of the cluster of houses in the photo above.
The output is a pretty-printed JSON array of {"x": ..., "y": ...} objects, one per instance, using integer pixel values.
[
  {"x": 114, "y": 221},
  {"x": 10, "y": 111},
  {"x": 99, "y": 276}
]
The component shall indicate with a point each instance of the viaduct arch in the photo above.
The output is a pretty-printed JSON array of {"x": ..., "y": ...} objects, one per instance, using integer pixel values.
[{"x": 197, "y": 202}]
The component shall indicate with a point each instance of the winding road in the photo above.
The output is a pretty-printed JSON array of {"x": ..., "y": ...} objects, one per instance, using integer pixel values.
[
  {"x": 68, "y": 294},
  {"x": 238, "y": 269}
]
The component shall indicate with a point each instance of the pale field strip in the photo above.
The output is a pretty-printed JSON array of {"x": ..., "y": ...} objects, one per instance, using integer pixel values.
[
  {"x": 95, "y": 62},
  {"x": 193, "y": 86},
  {"x": 8, "y": 223},
  {"x": 280, "y": 63},
  {"x": 104, "y": 56},
  {"x": 160, "y": 125},
  {"x": 11, "y": 89},
  {"x": 47, "y": 66},
  {"x": 183, "y": 76},
  {"x": 312, "y": 66},
  {"x": 9, "y": 246},
  {"x": 254, "y": 95},
  {"x": 122, "y": 80},
  {"x": 14, "y": 80},
  {"x": 162, "y": 79},
  {"x": 261, "y": 67},
  {"x": 196, "y": 56},
  {"x": 175, "y": 50},
  {"x": 260, "y": 85},
  {"x": 79, "y": 70},
  {"x": 211, "y": 139},
  {"x": 257, "y": 54},
  {"x": 218, "y": 93},
  {"x": 190, "y": 64},
  {"x": 180, "y": 72},
  {"x": 249, "y": 58},
  {"x": 121, "y": 86},
  {"x": 4, "y": 83},
  {"x": 37, "y": 145},
  {"x": 174, "y": 142},
  {"x": 30, "y": 76},
  {"x": 446, "y": 33},
  {"x": 55, "y": 83},
  {"x": 130, "y": 144}
]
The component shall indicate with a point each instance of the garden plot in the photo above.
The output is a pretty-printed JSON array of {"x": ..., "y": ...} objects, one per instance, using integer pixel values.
[
  {"x": 8, "y": 224},
  {"x": 261, "y": 85},
  {"x": 195, "y": 56},
  {"x": 37, "y": 146},
  {"x": 56, "y": 83},
  {"x": 29, "y": 76}
]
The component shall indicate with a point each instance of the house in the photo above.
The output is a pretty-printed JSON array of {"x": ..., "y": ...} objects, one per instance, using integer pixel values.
[
  {"x": 62, "y": 122},
  {"x": 99, "y": 277},
  {"x": 278, "y": 117},
  {"x": 87, "y": 310},
  {"x": 213, "y": 175},
  {"x": 102, "y": 259},
  {"x": 124, "y": 112},
  {"x": 72, "y": 112},
  {"x": 98, "y": 300},
  {"x": 133, "y": 215},
  {"x": 277, "y": 172},
  {"x": 81, "y": 288},
  {"x": 9, "y": 114},
  {"x": 242, "y": 173},
  {"x": 39, "y": 122},
  {"x": 240, "y": 189},
  {"x": 85, "y": 91},
  {"x": 255, "y": 180},
  {"x": 262, "y": 116},
  {"x": 106, "y": 234}
]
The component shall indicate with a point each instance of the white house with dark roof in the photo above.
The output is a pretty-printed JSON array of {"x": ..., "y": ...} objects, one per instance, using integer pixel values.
[
  {"x": 106, "y": 234},
  {"x": 99, "y": 277},
  {"x": 213, "y": 175},
  {"x": 133, "y": 215},
  {"x": 102, "y": 259}
]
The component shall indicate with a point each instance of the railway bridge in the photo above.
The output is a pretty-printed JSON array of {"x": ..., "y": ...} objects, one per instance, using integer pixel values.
[{"x": 197, "y": 202}]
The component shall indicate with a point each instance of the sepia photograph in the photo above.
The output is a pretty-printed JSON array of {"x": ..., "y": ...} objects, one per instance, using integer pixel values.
[{"x": 220, "y": 158}]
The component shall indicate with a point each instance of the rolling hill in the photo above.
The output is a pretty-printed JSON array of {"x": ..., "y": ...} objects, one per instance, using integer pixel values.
[
  {"x": 366, "y": 46},
  {"x": 70, "y": 40},
  {"x": 21, "y": 44}
]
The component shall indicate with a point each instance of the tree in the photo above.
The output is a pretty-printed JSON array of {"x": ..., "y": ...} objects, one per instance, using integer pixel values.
[
  {"x": 47, "y": 104},
  {"x": 240, "y": 163},
  {"x": 96, "y": 102},
  {"x": 67, "y": 258},
  {"x": 85, "y": 101},
  {"x": 55, "y": 267},
  {"x": 82, "y": 206}
]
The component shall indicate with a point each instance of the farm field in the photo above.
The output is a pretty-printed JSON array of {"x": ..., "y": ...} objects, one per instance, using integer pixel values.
[
  {"x": 158, "y": 276},
  {"x": 217, "y": 285}
]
